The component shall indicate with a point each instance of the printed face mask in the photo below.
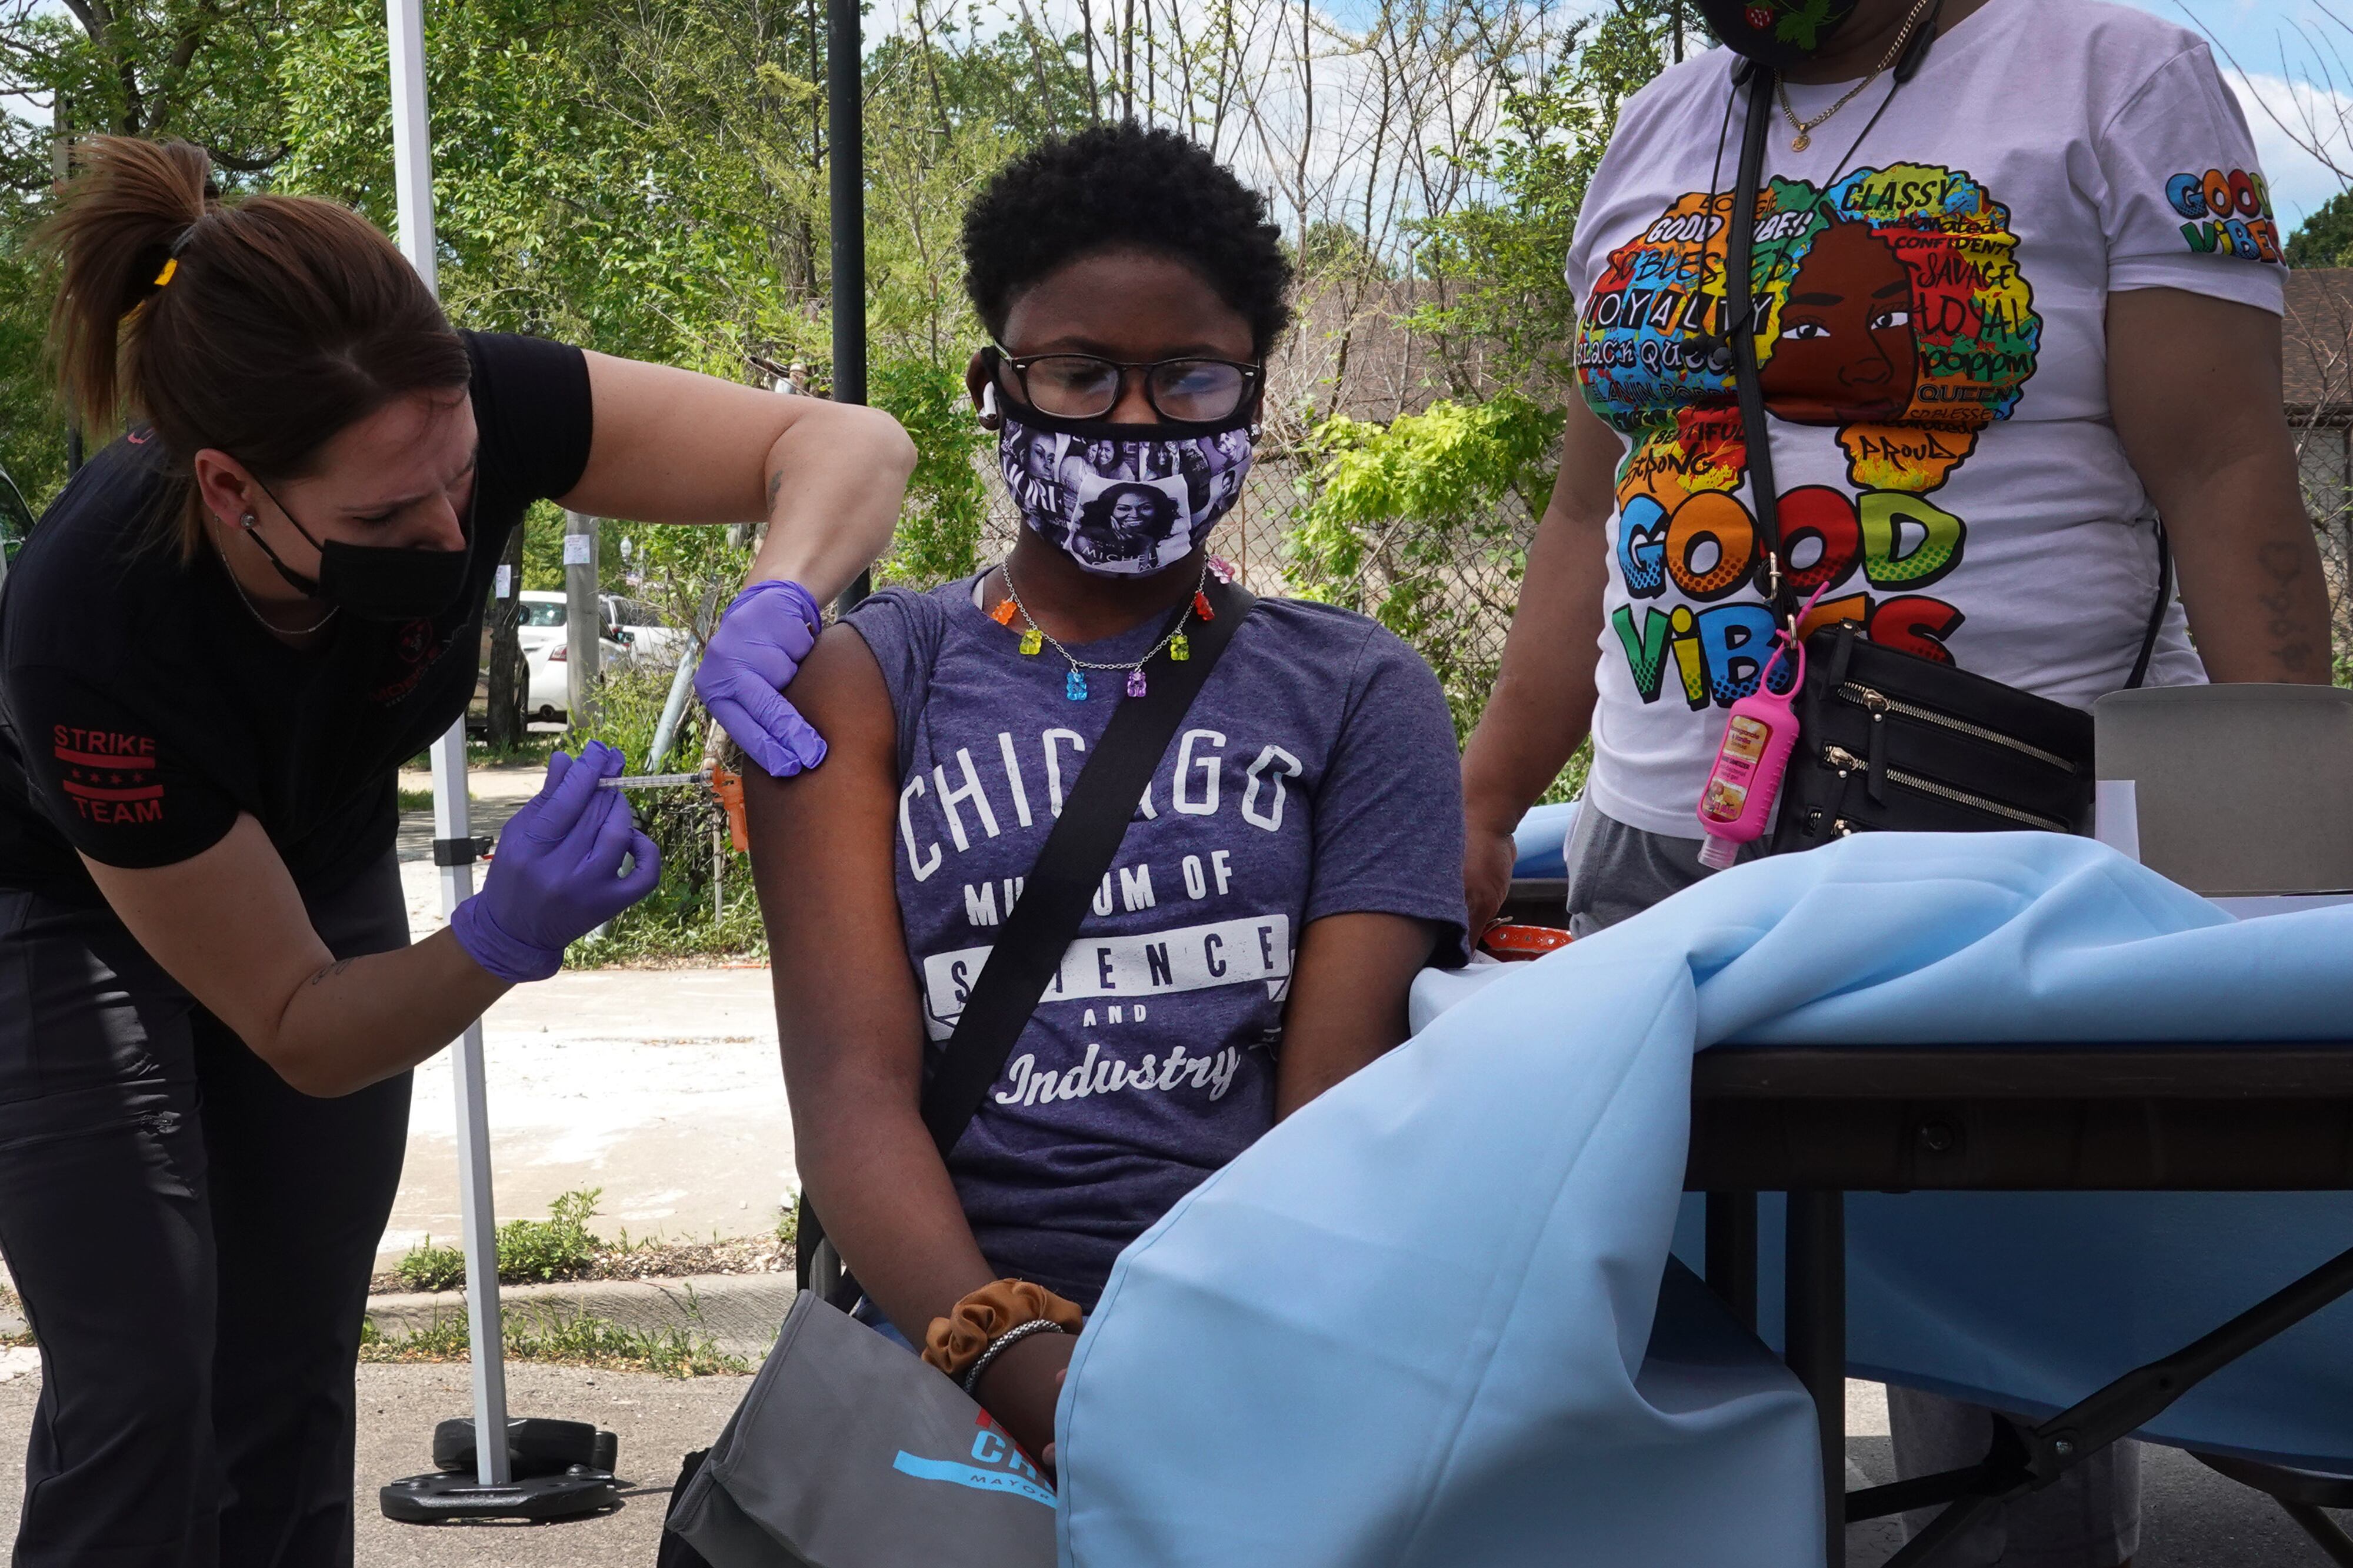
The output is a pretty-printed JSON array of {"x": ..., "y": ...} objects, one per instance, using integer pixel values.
[
  {"x": 374, "y": 582},
  {"x": 1123, "y": 500},
  {"x": 1776, "y": 33}
]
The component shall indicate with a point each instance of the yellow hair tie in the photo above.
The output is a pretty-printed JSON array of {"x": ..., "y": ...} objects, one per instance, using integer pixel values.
[{"x": 171, "y": 266}]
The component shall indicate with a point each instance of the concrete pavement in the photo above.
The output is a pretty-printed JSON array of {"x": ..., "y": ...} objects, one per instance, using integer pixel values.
[
  {"x": 658, "y": 1420},
  {"x": 2193, "y": 1518},
  {"x": 659, "y": 1085},
  {"x": 2190, "y": 1517}
]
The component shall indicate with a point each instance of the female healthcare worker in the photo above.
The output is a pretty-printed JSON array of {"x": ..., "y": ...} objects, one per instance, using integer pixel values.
[
  {"x": 2015, "y": 308},
  {"x": 216, "y": 651}
]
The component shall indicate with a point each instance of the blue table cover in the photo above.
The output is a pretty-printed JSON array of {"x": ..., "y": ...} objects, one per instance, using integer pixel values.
[
  {"x": 1540, "y": 843},
  {"x": 1408, "y": 1326}
]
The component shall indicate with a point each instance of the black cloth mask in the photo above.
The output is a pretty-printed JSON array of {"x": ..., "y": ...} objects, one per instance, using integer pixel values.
[
  {"x": 377, "y": 582},
  {"x": 1776, "y": 33}
]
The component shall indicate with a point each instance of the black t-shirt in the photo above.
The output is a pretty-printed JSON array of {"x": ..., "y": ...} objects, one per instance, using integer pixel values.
[{"x": 143, "y": 707}]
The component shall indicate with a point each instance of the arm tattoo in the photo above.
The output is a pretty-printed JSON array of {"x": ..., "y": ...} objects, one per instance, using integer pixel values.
[
  {"x": 331, "y": 971},
  {"x": 2283, "y": 564}
]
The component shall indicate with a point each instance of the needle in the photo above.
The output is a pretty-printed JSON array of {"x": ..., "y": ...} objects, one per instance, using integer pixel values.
[{"x": 653, "y": 781}]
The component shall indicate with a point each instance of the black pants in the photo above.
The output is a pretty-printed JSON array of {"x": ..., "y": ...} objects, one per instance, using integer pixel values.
[{"x": 192, "y": 1240}]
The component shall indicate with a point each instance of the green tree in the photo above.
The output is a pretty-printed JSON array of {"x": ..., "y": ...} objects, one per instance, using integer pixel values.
[
  {"x": 580, "y": 192},
  {"x": 947, "y": 498},
  {"x": 2324, "y": 238},
  {"x": 1495, "y": 306},
  {"x": 1405, "y": 523},
  {"x": 1419, "y": 521},
  {"x": 192, "y": 69},
  {"x": 32, "y": 428}
]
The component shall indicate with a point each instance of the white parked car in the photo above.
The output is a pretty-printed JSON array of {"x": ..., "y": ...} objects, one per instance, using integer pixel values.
[
  {"x": 632, "y": 634},
  {"x": 632, "y": 623},
  {"x": 549, "y": 667}
]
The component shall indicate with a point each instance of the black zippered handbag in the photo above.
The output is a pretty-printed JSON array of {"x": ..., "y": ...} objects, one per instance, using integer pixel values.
[{"x": 1889, "y": 741}]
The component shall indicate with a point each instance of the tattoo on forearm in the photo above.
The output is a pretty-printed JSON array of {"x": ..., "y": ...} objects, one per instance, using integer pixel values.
[
  {"x": 2283, "y": 563},
  {"x": 331, "y": 971}
]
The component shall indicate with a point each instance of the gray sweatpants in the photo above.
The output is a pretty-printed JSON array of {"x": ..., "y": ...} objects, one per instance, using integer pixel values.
[{"x": 2091, "y": 1517}]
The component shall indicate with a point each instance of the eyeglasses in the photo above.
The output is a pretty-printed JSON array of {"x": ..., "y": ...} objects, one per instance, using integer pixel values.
[{"x": 1087, "y": 386}]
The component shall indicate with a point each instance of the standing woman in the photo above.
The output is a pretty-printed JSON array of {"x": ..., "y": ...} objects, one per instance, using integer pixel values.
[
  {"x": 218, "y": 647},
  {"x": 2012, "y": 309}
]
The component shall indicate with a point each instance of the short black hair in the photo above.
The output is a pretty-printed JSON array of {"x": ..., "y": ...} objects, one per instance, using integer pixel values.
[{"x": 1122, "y": 186}]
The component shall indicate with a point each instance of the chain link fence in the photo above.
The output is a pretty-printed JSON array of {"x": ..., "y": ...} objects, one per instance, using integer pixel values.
[{"x": 2325, "y": 457}]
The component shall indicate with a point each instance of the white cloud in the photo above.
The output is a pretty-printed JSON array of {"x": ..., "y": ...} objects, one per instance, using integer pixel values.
[{"x": 2300, "y": 181}]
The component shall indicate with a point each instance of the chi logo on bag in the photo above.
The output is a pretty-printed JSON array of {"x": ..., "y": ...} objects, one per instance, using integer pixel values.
[{"x": 995, "y": 1463}]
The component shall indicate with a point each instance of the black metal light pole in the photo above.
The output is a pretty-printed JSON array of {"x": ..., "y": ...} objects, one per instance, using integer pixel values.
[{"x": 845, "y": 74}]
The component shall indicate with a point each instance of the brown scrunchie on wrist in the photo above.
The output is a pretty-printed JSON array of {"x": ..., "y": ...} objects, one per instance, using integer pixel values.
[{"x": 954, "y": 1342}]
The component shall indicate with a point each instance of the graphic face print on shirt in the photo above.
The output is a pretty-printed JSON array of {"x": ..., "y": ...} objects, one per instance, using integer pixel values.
[
  {"x": 1845, "y": 352},
  {"x": 1892, "y": 308},
  {"x": 1165, "y": 920}
]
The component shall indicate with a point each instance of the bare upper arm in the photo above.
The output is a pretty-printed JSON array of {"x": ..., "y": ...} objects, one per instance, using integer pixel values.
[
  {"x": 2194, "y": 386},
  {"x": 672, "y": 446},
  {"x": 821, "y": 848},
  {"x": 1586, "y": 488},
  {"x": 228, "y": 924},
  {"x": 1347, "y": 1003}
]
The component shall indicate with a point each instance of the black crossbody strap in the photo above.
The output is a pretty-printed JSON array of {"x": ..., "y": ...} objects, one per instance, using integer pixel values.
[
  {"x": 1740, "y": 304},
  {"x": 2157, "y": 614},
  {"x": 1077, "y": 852}
]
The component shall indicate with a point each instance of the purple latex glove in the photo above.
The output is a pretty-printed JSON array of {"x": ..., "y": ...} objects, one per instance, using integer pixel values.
[
  {"x": 752, "y": 658},
  {"x": 557, "y": 873}
]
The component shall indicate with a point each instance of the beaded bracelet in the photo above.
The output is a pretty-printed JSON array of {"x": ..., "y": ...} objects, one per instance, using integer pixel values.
[{"x": 1005, "y": 1341}]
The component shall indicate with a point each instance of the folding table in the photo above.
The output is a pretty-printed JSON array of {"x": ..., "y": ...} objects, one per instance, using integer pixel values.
[{"x": 1819, "y": 1121}]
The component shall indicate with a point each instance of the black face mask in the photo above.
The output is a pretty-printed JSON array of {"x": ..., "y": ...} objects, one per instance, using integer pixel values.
[
  {"x": 1776, "y": 33},
  {"x": 375, "y": 582}
]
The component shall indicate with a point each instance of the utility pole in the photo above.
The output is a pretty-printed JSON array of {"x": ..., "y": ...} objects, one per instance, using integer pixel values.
[
  {"x": 583, "y": 618},
  {"x": 845, "y": 81},
  {"x": 509, "y": 675}
]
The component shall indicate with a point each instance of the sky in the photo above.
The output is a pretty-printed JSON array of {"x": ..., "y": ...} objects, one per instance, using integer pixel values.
[{"x": 2288, "y": 51}]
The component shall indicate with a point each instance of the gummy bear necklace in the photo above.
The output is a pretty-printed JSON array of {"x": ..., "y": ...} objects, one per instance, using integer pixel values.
[{"x": 1074, "y": 686}]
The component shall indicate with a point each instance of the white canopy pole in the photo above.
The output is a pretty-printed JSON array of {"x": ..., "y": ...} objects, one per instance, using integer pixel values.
[{"x": 412, "y": 163}]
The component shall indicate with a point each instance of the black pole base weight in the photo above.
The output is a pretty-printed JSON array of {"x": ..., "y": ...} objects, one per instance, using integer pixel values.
[{"x": 439, "y": 1495}]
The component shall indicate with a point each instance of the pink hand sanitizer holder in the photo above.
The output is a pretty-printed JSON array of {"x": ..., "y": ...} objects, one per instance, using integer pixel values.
[{"x": 1737, "y": 804}]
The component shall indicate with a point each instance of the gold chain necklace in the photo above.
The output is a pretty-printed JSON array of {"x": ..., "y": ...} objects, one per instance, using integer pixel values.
[{"x": 1805, "y": 128}]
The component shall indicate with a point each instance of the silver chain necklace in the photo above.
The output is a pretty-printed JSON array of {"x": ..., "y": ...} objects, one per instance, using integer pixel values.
[
  {"x": 255, "y": 610},
  {"x": 1074, "y": 687},
  {"x": 1805, "y": 128}
]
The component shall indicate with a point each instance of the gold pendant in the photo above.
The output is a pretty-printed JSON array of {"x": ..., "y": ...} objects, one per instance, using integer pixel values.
[{"x": 1804, "y": 139}]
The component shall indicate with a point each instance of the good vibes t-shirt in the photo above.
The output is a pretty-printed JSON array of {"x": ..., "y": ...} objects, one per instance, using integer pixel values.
[{"x": 1931, "y": 340}]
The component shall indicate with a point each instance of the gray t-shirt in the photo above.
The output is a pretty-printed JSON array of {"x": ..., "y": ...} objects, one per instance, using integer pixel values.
[{"x": 1315, "y": 775}]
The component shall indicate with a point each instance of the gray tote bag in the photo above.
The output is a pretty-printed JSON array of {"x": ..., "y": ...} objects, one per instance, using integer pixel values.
[{"x": 849, "y": 1452}]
